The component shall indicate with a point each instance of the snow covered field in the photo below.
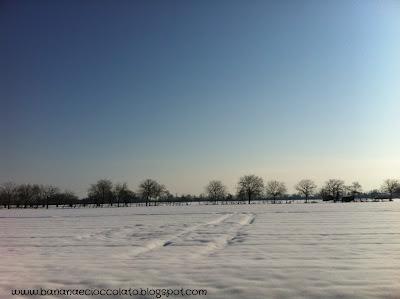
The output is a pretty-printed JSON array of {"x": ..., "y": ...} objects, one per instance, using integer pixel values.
[{"x": 240, "y": 251}]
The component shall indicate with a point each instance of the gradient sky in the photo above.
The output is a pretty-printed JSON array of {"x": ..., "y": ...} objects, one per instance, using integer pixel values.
[{"x": 188, "y": 91}]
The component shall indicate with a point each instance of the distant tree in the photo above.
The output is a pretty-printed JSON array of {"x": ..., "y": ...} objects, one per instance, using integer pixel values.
[
  {"x": 216, "y": 191},
  {"x": 70, "y": 198},
  {"x": 275, "y": 189},
  {"x": 120, "y": 191},
  {"x": 390, "y": 186},
  {"x": 150, "y": 189},
  {"x": 8, "y": 193},
  {"x": 101, "y": 192},
  {"x": 333, "y": 189},
  {"x": 373, "y": 193},
  {"x": 123, "y": 194},
  {"x": 250, "y": 187},
  {"x": 38, "y": 195},
  {"x": 161, "y": 192},
  {"x": 355, "y": 189},
  {"x": 306, "y": 188},
  {"x": 164, "y": 194},
  {"x": 26, "y": 195},
  {"x": 48, "y": 193},
  {"x": 129, "y": 197},
  {"x": 66, "y": 198},
  {"x": 229, "y": 197}
]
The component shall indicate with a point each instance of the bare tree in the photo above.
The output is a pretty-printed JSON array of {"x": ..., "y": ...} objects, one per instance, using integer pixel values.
[
  {"x": 150, "y": 189},
  {"x": 306, "y": 188},
  {"x": 37, "y": 198},
  {"x": 121, "y": 191},
  {"x": 275, "y": 189},
  {"x": 250, "y": 186},
  {"x": 66, "y": 198},
  {"x": 333, "y": 189},
  {"x": 216, "y": 190},
  {"x": 101, "y": 192},
  {"x": 161, "y": 192},
  {"x": 390, "y": 186},
  {"x": 48, "y": 193},
  {"x": 355, "y": 189},
  {"x": 70, "y": 198},
  {"x": 8, "y": 193},
  {"x": 26, "y": 195}
]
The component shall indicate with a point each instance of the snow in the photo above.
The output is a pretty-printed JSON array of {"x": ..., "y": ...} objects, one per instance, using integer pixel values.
[{"x": 283, "y": 251}]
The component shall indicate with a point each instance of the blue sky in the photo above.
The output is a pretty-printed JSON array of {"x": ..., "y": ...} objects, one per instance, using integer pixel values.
[{"x": 188, "y": 91}]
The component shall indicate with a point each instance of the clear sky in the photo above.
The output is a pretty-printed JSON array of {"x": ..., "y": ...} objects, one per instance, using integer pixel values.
[{"x": 188, "y": 91}]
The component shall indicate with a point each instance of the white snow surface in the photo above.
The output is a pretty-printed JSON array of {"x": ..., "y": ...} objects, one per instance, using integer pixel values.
[{"x": 311, "y": 251}]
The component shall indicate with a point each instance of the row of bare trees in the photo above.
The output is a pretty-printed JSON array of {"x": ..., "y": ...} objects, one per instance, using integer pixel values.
[
  {"x": 34, "y": 196},
  {"x": 249, "y": 188},
  {"x": 101, "y": 193},
  {"x": 105, "y": 192},
  {"x": 334, "y": 189},
  {"x": 252, "y": 187}
]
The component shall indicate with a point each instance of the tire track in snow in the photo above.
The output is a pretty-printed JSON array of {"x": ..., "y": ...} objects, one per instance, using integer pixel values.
[
  {"x": 160, "y": 243},
  {"x": 224, "y": 240},
  {"x": 204, "y": 238},
  {"x": 249, "y": 219}
]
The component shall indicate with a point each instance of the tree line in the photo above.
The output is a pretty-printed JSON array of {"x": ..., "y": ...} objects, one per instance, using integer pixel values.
[{"x": 150, "y": 192}]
